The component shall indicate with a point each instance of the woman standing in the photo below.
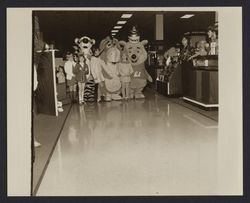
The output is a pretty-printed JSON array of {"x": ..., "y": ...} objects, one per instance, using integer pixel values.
[
  {"x": 81, "y": 70},
  {"x": 212, "y": 40},
  {"x": 186, "y": 63}
]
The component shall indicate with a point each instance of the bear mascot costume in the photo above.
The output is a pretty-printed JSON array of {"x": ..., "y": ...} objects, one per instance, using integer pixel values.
[
  {"x": 110, "y": 54},
  {"x": 137, "y": 56},
  {"x": 84, "y": 45}
]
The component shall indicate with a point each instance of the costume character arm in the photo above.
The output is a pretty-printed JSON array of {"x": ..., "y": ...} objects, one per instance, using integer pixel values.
[
  {"x": 105, "y": 72},
  {"x": 131, "y": 71}
]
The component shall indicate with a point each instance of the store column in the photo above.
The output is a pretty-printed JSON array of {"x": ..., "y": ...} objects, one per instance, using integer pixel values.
[
  {"x": 159, "y": 27},
  {"x": 158, "y": 45}
]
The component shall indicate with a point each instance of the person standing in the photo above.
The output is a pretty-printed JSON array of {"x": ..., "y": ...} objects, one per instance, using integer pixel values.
[
  {"x": 96, "y": 69},
  {"x": 81, "y": 70},
  {"x": 186, "y": 63},
  {"x": 70, "y": 76},
  {"x": 36, "y": 143},
  {"x": 212, "y": 40},
  {"x": 125, "y": 70}
]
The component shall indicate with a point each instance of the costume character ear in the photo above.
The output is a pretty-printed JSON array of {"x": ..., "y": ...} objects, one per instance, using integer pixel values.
[
  {"x": 103, "y": 44},
  {"x": 76, "y": 40},
  {"x": 122, "y": 43},
  {"x": 144, "y": 42},
  {"x": 92, "y": 41}
]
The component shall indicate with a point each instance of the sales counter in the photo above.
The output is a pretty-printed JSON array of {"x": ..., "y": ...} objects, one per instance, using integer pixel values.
[{"x": 200, "y": 81}]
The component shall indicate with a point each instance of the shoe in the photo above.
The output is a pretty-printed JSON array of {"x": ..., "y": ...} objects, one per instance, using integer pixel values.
[
  {"x": 37, "y": 144},
  {"x": 60, "y": 109},
  {"x": 59, "y": 104}
]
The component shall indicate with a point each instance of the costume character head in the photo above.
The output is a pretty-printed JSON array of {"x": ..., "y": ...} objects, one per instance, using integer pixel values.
[{"x": 83, "y": 45}]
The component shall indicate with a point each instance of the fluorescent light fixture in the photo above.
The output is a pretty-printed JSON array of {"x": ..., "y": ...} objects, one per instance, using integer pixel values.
[
  {"x": 121, "y": 22},
  {"x": 117, "y": 27},
  {"x": 187, "y": 16},
  {"x": 127, "y": 15},
  {"x": 114, "y": 30}
]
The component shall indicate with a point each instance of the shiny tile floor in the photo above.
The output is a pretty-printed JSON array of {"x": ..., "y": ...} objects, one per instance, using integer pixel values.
[{"x": 144, "y": 147}]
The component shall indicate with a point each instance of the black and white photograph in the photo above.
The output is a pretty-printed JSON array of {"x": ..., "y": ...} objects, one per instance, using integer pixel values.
[{"x": 126, "y": 102}]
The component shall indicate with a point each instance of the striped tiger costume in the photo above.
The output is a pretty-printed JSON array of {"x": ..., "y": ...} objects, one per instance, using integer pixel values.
[{"x": 90, "y": 91}]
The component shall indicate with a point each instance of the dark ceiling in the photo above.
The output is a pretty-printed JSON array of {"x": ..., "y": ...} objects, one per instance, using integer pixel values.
[{"x": 61, "y": 27}]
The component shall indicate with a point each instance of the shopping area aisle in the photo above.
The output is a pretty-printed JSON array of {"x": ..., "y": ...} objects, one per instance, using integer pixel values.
[{"x": 143, "y": 147}]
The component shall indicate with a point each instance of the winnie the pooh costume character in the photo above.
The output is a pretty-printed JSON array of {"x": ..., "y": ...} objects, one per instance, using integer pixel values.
[
  {"x": 110, "y": 54},
  {"x": 137, "y": 56}
]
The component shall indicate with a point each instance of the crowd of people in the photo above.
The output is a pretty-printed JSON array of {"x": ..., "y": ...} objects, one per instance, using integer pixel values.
[
  {"x": 76, "y": 72},
  {"x": 184, "y": 53}
]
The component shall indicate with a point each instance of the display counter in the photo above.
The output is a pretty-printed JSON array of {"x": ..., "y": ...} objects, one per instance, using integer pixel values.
[
  {"x": 201, "y": 81},
  {"x": 169, "y": 82}
]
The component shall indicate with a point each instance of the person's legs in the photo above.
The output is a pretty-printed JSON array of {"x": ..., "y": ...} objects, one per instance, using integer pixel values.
[
  {"x": 123, "y": 90},
  {"x": 74, "y": 93},
  {"x": 36, "y": 143},
  {"x": 127, "y": 92},
  {"x": 132, "y": 92},
  {"x": 101, "y": 85},
  {"x": 99, "y": 92},
  {"x": 79, "y": 92},
  {"x": 82, "y": 91},
  {"x": 71, "y": 92}
]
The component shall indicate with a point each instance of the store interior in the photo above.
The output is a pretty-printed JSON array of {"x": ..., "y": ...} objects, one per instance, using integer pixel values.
[{"x": 182, "y": 96}]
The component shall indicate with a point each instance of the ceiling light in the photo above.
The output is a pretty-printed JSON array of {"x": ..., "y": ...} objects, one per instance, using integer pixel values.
[
  {"x": 121, "y": 22},
  {"x": 188, "y": 16},
  {"x": 114, "y": 30},
  {"x": 127, "y": 15},
  {"x": 117, "y": 27}
]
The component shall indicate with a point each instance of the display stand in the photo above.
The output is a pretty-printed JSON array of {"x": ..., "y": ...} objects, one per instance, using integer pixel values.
[
  {"x": 46, "y": 96},
  {"x": 170, "y": 85}
]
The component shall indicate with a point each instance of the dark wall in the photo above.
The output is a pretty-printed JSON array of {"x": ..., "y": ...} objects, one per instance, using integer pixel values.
[{"x": 61, "y": 27}]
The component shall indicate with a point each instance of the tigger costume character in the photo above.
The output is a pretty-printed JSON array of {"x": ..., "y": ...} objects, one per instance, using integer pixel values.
[{"x": 84, "y": 45}]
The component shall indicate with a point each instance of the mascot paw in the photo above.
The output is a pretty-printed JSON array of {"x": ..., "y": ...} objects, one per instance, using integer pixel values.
[
  {"x": 139, "y": 96},
  {"x": 107, "y": 98},
  {"x": 116, "y": 97}
]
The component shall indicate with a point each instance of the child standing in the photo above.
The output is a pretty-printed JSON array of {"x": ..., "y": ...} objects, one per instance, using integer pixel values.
[
  {"x": 125, "y": 71},
  {"x": 81, "y": 70},
  {"x": 71, "y": 82},
  {"x": 60, "y": 75},
  {"x": 96, "y": 70}
]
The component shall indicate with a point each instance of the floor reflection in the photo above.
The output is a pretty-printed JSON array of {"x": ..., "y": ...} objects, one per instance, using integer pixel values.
[{"x": 147, "y": 147}]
